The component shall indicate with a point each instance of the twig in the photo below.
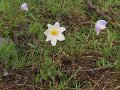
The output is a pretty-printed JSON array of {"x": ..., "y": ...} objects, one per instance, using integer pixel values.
[
  {"x": 29, "y": 86},
  {"x": 114, "y": 73},
  {"x": 71, "y": 76},
  {"x": 90, "y": 70},
  {"x": 24, "y": 83},
  {"x": 100, "y": 79},
  {"x": 98, "y": 11},
  {"x": 113, "y": 12},
  {"x": 62, "y": 6},
  {"x": 62, "y": 3},
  {"x": 91, "y": 80},
  {"x": 61, "y": 53},
  {"x": 105, "y": 86},
  {"x": 116, "y": 88}
]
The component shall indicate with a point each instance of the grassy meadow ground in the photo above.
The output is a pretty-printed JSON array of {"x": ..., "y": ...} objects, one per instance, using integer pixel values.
[{"x": 84, "y": 61}]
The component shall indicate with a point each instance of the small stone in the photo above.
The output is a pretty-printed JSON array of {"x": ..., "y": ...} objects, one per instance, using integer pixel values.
[
  {"x": 17, "y": 81},
  {"x": 5, "y": 73}
]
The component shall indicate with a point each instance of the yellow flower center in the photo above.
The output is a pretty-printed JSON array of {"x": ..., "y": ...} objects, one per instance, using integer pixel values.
[{"x": 54, "y": 32}]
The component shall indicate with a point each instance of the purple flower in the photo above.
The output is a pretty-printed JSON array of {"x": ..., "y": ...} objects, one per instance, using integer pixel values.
[
  {"x": 24, "y": 6},
  {"x": 100, "y": 24}
]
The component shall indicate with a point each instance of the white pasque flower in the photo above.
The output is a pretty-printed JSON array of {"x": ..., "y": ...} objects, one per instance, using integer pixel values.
[
  {"x": 54, "y": 33},
  {"x": 100, "y": 24},
  {"x": 24, "y": 6}
]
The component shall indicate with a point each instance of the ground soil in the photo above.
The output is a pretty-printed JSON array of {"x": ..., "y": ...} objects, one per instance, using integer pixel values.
[{"x": 100, "y": 78}]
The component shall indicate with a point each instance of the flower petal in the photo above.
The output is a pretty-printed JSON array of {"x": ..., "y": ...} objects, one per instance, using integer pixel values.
[
  {"x": 62, "y": 29},
  {"x": 101, "y": 23},
  {"x": 48, "y": 38},
  {"x": 57, "y": 24},
  {"x": 53, "y": 41},
  {"x": 102, "y": 26},
  {"x": 49, "y": 25},
  {"x": 97, "y": 30},
  {"x": 46, "y": 32},
  {"x": 60, "y": 37}
]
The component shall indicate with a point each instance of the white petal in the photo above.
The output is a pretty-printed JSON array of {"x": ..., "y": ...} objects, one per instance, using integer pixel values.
[
  {"x": 57, "y": 24},
  {"x": 46, "y": 32},
  {"x": 98, "y": 32},
  {"x": 61, "y": 37},
  {"x": 102, "y": 27},
  {"x": 53, "y": 41},
  {"x": 49, "y": 25},
  {"x": 48, "y": 38},
  {"x": 62, "y": 29}
]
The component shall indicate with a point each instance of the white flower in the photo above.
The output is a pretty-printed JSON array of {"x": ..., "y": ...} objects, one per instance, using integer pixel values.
[
  {"x": 54, "y": 33},
  {"x": 24, "y": 6},
  {"x": 100, "y": 24}
]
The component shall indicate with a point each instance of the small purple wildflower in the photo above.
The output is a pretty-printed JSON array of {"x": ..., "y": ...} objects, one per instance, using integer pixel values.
[
  {"x": 24, "y": 6},
  {"x": 100, "y": 24}
]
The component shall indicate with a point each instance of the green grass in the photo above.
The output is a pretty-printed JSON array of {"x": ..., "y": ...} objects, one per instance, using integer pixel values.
[{"x": 27, "y": 46}]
